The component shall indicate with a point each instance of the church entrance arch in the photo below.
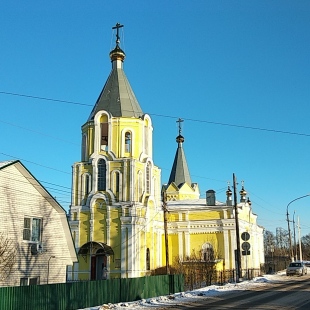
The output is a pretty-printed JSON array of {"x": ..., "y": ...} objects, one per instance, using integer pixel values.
[{"x": 98, "y": 253}]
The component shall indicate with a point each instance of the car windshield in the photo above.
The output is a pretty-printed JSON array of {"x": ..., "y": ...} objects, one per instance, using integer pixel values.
[{"x": 295, "y": 264}]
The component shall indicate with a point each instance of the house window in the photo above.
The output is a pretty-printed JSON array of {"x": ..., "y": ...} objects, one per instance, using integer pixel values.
[
  {"x": 102, "y": 170},
  {"x": 23, "y": 281},
  {"x": 32, "y": 229},
  {"x": 29, "y": 281},
  {"x": 127, "y": 142},
  {"x": 148, "y": 259},
  {"x": 34, "y": 281}
]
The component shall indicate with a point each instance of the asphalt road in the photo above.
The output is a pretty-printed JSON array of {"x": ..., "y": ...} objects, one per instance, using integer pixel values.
[{"x": 291, "y": 293}]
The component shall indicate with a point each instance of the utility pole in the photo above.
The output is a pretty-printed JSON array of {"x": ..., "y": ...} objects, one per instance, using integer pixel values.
[
  {"x": 289, "y": 235},
  {"x": 295, "y": 244},
  {"x": 237, "y": 252},
  {"x": 288, "y": 224},
  {"x": 164, "y": 197},
  {"x": 299, "y": 241}
]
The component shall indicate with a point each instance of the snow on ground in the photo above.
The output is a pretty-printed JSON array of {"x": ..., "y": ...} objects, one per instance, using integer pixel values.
[{"x": 190, "y": 296}]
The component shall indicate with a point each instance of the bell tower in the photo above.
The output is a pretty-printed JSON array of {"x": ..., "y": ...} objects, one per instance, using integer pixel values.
[{"x": 116, "y": 185}]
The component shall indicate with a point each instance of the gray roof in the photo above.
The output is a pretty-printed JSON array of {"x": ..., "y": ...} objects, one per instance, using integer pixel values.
[
  {"x": 117, "y": 96},
  {"x": 180, "y": 173},
  {"x": 195, "y": 204}
]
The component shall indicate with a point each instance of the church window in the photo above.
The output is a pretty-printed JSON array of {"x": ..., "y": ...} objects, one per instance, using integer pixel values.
[
  {"x": 84, "y": 147},
  {"x": 128, "y": 142},
  {"x": 139, "y": 187},
  {"x": 146, "y": 138},
  {"x": 116, "y": 184},
  {"x": 104, "y": 135},
  {"x": 102, "y": 171},
  {"x": 148, "y": 259},
  {"x": 86, "y": 183},
  {"x": 207, "y": 252},
  {"x": 148, "y": 178}
]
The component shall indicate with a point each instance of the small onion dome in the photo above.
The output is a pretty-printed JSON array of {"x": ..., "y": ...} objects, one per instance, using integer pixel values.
[
  {"x": 179, "y": 139},
  {"x": 228, "y": 192},
  {"x": 117, "y": 54},
  {"x": 249, "y": 202},
  {"x": 243, "y": 192}
]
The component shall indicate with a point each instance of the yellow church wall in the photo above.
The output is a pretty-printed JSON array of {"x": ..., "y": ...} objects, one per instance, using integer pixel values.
[
  {"x": 220, "y": 245},
  {"x": 84, "y": 227},
  {"x": 197, "y": 240},
  {"x": 100, "y": 233},
  {"x": 119, "y": 126},
  {"x": 88, "y": 129},
  {"x": 210, "y": 215},
  {"x": 173, "y": 247}
]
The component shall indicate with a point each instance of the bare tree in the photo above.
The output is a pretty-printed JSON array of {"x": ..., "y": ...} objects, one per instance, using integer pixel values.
[
  {"x": 269, "y": 241},
  {"x": 305, "y": 243},
  {"x": 8, "y": 253},
  {"x": 198, "y": 268}
]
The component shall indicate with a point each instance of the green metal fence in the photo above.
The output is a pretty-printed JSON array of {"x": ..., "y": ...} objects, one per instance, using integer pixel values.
[{"x": 77, "y": 295}]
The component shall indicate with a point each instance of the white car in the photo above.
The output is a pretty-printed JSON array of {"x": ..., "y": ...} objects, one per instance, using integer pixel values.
[{"x": 296, "y": 268}]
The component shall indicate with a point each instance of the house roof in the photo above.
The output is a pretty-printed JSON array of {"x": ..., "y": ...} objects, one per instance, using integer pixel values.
[
  {"x": 6, "y": 163},
  {"x": 117, "y": 96}
]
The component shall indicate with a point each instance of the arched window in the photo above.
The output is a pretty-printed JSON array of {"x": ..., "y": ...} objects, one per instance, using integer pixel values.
[
  {"x": 128, "y": 142},
  {"x": 207, "y": 252},
  {"x": 146, "y": 137},
  {"x": 140, "y": 187},
  {"x": 148, "y": 259},
  {"x": 104, "y": 135},
  {"x": 116, "y": 184},
  {"x": 148, "y": 178},
  {"x": 102, "y": 171},
  {"x": 87, "y": 185},
  {"x": 84, "y": 147}
]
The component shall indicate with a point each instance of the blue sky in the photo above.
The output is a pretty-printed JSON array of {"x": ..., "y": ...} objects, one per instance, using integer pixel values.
[{"x": 237, "y": 72}]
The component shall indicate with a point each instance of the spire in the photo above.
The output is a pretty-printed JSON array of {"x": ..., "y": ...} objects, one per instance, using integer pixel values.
[
  {"x": 180, "y": 173},
  {"x": 117, "y": 96}
]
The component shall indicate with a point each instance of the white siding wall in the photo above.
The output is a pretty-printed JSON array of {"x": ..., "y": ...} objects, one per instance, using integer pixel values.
[{"x": 19, "y": 198}]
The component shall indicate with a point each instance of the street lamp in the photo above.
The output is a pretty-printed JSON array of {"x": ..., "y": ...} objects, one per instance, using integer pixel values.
[
  {"x": 288, "y": 224},
  {"x": 48, "y": 267}
]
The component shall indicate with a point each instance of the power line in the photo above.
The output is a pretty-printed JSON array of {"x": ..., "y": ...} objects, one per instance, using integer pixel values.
[
  {"x": 166, "y": 116},
  {"x": 44, "y": 98},
  {"x": 28, "y": 161}
]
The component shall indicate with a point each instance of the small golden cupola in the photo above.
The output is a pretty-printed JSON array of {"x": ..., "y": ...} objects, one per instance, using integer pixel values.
[
  {"x": 243, "y": 193},
  {"x": 117, "y": 53},
  {"x": 229, "y": 196}
]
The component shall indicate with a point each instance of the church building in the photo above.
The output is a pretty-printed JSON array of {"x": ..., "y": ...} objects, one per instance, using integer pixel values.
[{"x": 116, "y": 214}]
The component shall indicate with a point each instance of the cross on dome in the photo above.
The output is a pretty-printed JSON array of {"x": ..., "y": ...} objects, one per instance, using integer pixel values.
[{"x": 117, "y": 27}]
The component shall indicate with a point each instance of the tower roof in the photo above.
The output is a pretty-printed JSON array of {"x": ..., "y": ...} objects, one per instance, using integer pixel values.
[
  {"x": 117, "y": 96},
  {"x": 180, "y": 173}
]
